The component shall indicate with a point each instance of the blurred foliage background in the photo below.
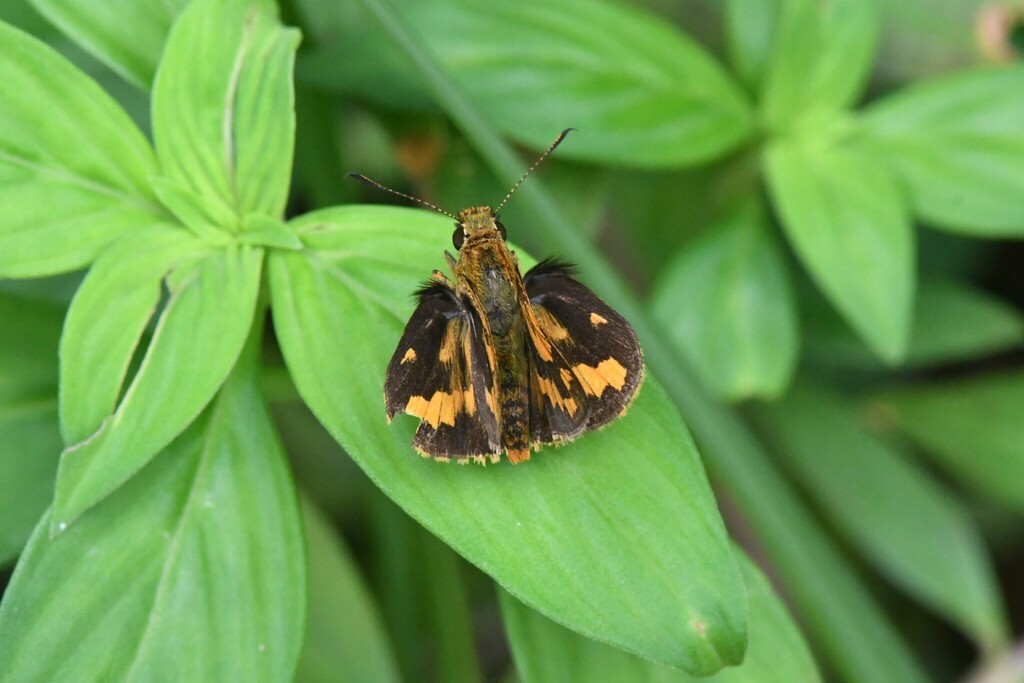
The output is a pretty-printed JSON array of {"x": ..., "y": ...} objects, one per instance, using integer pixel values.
[{"x": 827, "y": 234}]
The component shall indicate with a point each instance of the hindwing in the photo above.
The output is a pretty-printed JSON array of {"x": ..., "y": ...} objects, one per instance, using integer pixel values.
[
  {"x": 441, "y": 373},
  {"x": 586, "y": 363}
]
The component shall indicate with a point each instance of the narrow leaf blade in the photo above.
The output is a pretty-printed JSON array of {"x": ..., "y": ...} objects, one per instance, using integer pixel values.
[
  {"x": 971, "y": 427},
  {"x": 199, "y": 553},
  {"x": 750, "y": 32},
  {"x": 953, "y": 322},
  {"x": 223, "y": 103},
  {"x": 127, "y": 35},
  {"x": 106, "y": 320},
  {"x": 821, "y": 58},
  {"x": 845, "y": 218},
  {"x": 196, "y": 343},
  {"x": 73, "y": 166},
  {"x": 727, "y": 303},
  {"x": 911, "y": 529},
  {"x": 957, "y": 143}
]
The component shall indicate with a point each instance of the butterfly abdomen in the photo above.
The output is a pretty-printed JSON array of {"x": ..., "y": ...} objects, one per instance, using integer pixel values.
[{"x": 514, "y": 403}]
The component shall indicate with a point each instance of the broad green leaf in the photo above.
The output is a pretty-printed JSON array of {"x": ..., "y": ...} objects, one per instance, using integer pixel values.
[
  {"x": 223, "y": 104},
  {"x": 545, "y": 652},
  {"x": 751, "y": 31},
  {"x": 109, "y": 313},
  {"x": 953, "y": 322},
  {"x": 344, "y": 634},
  {"x": 727, "y": 304},
  {"x": 971, "y": 427},
  {"x": 192, "y": 571},
  {"x": 196, "y": 343},
  {"x": 821, "y": 58},
  {"x": 910, "y": 528},
  {"x": 127, "y": 35},
  {"x": 848, "y": 622},
  {"x": 30, "y": 439},
  {"x": 845, "y": 218},
  {"x": 640, "y": 92},
  {"x": 957, "y": 144},
  {"x": 73, "y": 166},
  {"x": 629, "y": 550}
]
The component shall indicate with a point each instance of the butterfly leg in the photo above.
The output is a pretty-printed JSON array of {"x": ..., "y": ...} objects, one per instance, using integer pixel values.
[{"x": 438, "y": 276}]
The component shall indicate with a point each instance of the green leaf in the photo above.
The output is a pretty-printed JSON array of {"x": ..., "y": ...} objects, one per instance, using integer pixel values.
[
  {"x": 192, "y": 571},
  {"x": 750, "y": 32},
  {"x": 73, "y": 166},
  {"x": 206, "y": 219},
  {"x": 821, "y": 58},
  {"x": 260, "y": 230},
  {"x": 845, "y": 218},
  {"x": 109, "y": 313},
  {"x": 727, "y": 304},
  {"x": 223, "y": 106},
  {"x": 910, "y": 528},
  {"x": 957, "y": 144},
  {"x": 197, "y": 340},
  {"x": 545, "y": 652},
  {"x": 28, "y": 416},
  {"x": 640, "y": 92},
  {"x": 971, "y": 427},
  {"x": 344, "y": 633},
  {"x": 953, "y": 322},
  {"x": 126, "y": 35},
  {"x": 579, "y": 533}
]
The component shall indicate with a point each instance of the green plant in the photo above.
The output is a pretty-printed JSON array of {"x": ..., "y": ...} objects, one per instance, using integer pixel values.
[{"x": 175, "y": 531}]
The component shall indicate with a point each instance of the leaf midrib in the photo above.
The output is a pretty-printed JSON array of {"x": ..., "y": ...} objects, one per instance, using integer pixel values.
[{"x": 65, "y": 176}]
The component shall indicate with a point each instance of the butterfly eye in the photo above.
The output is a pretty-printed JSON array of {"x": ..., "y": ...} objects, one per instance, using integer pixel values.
[
  {"x": 501, "y": 229},
  {"x": 458, "y": 237}
]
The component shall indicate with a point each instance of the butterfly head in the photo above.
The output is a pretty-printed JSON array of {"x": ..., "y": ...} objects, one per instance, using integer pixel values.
[{"x": 476, "y": 222}]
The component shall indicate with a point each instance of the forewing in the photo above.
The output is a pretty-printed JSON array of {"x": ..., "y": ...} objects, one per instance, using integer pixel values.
[
  {"x": 437, "y": 375},
  {"x": 593, "y": 350}
]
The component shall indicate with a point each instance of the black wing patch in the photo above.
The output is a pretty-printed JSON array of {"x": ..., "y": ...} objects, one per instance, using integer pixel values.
[
  {"x": 592, "y": 366},
  {"x": 441, "y": 374}
]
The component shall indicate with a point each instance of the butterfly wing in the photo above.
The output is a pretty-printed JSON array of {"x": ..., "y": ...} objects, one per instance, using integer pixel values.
[
  {"x": 440, "y": 373},
  {"x": 586, "y": 364}
]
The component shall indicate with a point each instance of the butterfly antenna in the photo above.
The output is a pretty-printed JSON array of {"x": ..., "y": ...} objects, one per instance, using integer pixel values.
[
  {"x": 373, "y": 183},
  {"x": 537, "y": 163}
]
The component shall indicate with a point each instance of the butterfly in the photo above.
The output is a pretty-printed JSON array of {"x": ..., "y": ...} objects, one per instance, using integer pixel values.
[{"x": 495, "y": 362}]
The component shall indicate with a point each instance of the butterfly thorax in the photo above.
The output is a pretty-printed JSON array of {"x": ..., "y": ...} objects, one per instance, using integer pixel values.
[{"x": 487, "y": 276}]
